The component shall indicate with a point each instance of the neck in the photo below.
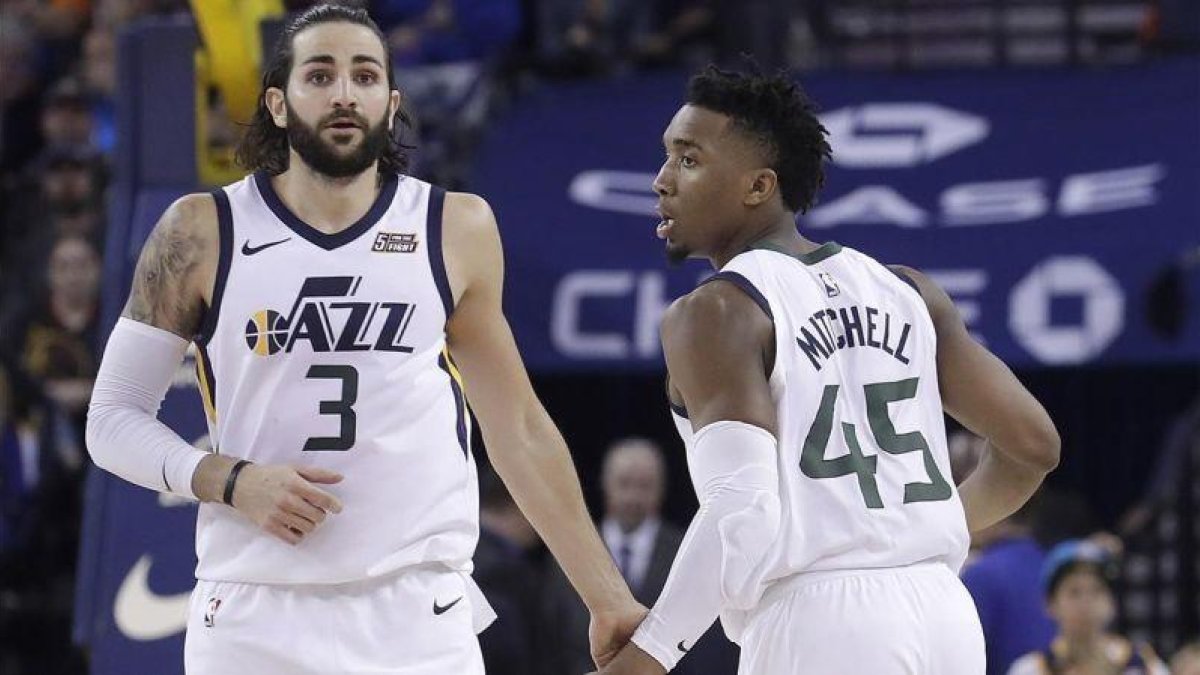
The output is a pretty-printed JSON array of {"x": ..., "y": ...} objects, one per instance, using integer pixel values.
[
  {"x": 328, "y": 204},
  {"x": 1080, "y": 646},
  {"x": 778, "y": 232},
  {"x": 72, "y": 312}
]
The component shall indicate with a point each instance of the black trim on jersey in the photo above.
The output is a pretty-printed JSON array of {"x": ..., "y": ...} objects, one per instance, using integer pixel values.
[
  {"x": 208, "y": 324},
  {"x": 205, "y": 362},
  {"x": 387, "y": 191},
  {"x": 905, "y": 278},
  {"x": 433, "y": 239},
  {"x": 747, "y": 287},
  {"x": 460, "y": 405}
]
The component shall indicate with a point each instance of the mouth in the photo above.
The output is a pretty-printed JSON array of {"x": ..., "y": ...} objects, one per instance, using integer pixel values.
[
  {"x": 343, "y": 125},
  {"x": 665, "y": 224}
]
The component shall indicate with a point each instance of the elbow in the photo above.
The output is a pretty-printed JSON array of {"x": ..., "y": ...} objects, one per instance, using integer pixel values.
[
  {"x": 1040, "y": 446},
  {"x": 747, "y": 537},
  {"x": 94, "y": 434}
]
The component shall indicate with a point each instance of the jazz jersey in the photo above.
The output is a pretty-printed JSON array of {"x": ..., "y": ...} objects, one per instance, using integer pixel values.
[
  {"x": 863, "y": 466},
  {"x": 329, "y": 350}
]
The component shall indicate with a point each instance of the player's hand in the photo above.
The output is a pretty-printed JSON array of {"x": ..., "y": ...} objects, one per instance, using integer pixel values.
[
  {"x": 632, "y": 661},
  {"x": 284, "y": 500},
  {"x": 610, "y": 630}
]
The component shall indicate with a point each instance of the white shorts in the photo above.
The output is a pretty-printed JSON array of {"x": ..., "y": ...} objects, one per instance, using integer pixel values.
[
  {"x": 420, "y": 621},
  {"x": 916, "y": 620}
]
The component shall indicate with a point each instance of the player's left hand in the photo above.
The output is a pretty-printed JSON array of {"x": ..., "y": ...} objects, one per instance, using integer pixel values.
[
  {"x": 632, "y": 661},
  {"x": 611, "y": 630}
]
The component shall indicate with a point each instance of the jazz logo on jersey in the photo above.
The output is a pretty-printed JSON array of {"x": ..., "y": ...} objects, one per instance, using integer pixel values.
[
  {"x": 831, "y": 287},
  {"x": 327, "y": 319},
  {"x": 394, "y": 242},
  {"x": 210, "y": 614}
]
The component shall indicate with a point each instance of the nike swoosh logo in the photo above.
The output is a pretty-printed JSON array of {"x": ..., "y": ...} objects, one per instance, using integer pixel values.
[
  {"x": 142, "y": 614},
  {"x": 681, "y": 647},
  {"x": 247, "y": 249},
  {"x": 440, "y": 609}
]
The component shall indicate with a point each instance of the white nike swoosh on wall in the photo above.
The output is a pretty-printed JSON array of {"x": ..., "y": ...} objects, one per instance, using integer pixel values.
[{"x": 142, "y": 614}]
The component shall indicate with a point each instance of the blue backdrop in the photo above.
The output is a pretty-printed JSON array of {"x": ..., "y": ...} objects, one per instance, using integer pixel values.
[{"x": 1043, "y": 201}]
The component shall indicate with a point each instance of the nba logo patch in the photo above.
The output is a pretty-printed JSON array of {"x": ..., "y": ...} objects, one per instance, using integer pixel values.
[
  {"x": 831, "y": 287},
  {"x": 211, "y": 613}
]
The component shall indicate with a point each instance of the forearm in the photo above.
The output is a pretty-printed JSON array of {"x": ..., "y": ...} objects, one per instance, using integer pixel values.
[
  {"x": 997, "y": 488},
  {"x": 537, "y": 468},
  {"x": 123, "y": 435},
  {"x": 718, "y": 564}
]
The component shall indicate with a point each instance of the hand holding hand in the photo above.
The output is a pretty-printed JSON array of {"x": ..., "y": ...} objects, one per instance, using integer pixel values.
[
  {"x": 611, "y": 630},
  {"x": 632, "y": 661}
]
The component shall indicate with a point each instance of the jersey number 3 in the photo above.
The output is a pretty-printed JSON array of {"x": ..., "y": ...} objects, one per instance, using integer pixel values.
[
  {"x": 814, "y": 465},
  {"x": 342, "y": 407}
]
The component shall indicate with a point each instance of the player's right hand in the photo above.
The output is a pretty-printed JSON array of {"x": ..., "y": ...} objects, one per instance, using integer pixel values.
[{"x": 285, "y": 500}]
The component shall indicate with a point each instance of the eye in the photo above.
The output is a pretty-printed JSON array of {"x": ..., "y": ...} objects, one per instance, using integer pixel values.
[
  {"x": 366, "y": 77},
  {"x": 687, "y": 162},
  {"x": 318, "y": 77}
]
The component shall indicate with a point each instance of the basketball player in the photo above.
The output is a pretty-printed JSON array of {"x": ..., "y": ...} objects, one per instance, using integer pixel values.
[
  {"x": 808, "y": 383},
  {"x": 333, "y": 303}
]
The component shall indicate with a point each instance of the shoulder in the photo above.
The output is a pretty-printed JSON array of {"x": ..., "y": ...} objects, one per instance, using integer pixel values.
[
  {"x": 467, "y": 215},
  {"x": 192, "y": 217},
  {"x": 719, "y": 307},
  {"x": 941, "y": 307}
]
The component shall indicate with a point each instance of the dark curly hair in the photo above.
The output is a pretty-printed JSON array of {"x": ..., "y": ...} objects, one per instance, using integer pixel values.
[
  {"x": 264, "y": 145},
  {"x": 773, "y": 110}
]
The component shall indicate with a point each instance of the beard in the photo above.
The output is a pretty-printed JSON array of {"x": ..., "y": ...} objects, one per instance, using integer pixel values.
[
  {"x": 321, "y": 155},
  {"x": 676, "y": 254}
]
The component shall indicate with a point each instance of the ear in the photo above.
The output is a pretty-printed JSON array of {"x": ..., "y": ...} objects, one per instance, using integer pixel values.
[
  {"x": 763, "y": 185},
  {"x": 393, "y": 106},
  {"x": 275, "y": 100}
]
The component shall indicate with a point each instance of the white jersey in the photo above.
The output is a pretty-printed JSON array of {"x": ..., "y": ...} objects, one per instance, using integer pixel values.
[
  {"x": 863, "y": 467},
  {"x": 329, "y": 350}
]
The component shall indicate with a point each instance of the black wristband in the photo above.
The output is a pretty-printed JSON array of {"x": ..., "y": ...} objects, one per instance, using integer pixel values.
[{"x": 232, "y": 480}]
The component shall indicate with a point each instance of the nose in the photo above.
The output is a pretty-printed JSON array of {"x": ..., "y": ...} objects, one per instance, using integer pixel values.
[
  {"x": 664, "y": 182},
  {"x": 343, "y": 94}
]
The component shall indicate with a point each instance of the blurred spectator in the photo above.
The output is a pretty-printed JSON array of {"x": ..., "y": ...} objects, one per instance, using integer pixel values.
[
  {"x": 60, "y": 195},
  {"x": 508, "y": 577},
  {"x": 1160, "y": 594},
  {"x": 19, "y": 93},
  {"x": 54, "y": 342},
  {"x": 66, "y": 120},
  {"x": 1003, "y": 580},
  {"x": 447, "y": 31},
  {"x": 53, "y": 19},
  {"x": 1187, "y": 660},
  {"x": 633, "y": 480},
  {"x": 590, "y": 37},
  {"x": 1076, "y": 579},
  {"x": 18, "y": 469},
  {"x": 99, "y": 70}
]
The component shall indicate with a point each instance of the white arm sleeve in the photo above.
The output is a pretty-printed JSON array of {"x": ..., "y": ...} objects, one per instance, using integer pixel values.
[
  {"x": 124, "y": 435},
  {"x": 734, "y": 466}
]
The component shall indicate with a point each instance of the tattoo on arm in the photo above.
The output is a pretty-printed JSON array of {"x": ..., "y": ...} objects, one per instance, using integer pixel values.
[{"x": 163, "y": 292}]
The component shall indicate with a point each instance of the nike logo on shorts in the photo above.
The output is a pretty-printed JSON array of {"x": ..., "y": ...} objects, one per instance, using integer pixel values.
[
  {"x": 442, "y": 609},
  {"x": 247, "y": 249}
]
